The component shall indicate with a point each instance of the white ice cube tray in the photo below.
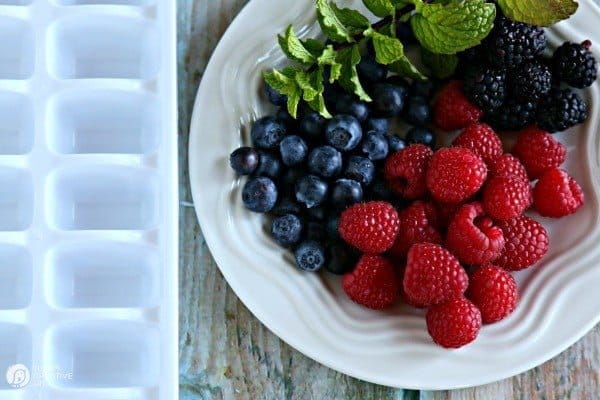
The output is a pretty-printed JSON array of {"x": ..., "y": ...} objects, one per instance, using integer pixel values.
[{"x": 88, "y": 199}]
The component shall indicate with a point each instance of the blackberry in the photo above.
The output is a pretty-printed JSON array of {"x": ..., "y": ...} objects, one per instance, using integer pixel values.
[
  {"x": 512, "y": 115},
  {"x": 560, "y": 110},
  {"x": 574, "y": 64},
  {"x": 531, "y": 81},
  {"x": 511, "y": 43},
  {"x": 485, "y": 87}
]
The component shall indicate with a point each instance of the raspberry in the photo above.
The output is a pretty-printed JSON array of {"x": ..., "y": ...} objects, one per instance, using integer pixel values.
[
  {"x": 370, "y": 227},
  {"x": 445, "y": 213},
  {"x": 472, "y": 237},
  {"x": 512, "y": 115},
  {"x": 454, "y": 323},
  {"x": 481, "y": 140},
  {"x": 373, "y": 283},
  {"x": 485, "y": 87},
  {"x": 494, "y": 292},
  {"x": 506, "y": 197},
  {"x": 531, "y": 80},
  {"x": 539, "y": 151},
  {"x": 561, "y": 110},
  {"x": 557, "y": 194},
  {"x": 574, "y": 64},
  {"x": 405, "y": 171},
  {"x": 417, "y": 225},
  {"x": 526, "y": 243},
  {"x": 508, "y": 165},
  {"x": 511, "y": 43},
  {"x": 455, "y": 174},
  {"x": 403, "y": 296},
  {"x": 433, "y": 275},
  {"x": 453, "y": 110}
]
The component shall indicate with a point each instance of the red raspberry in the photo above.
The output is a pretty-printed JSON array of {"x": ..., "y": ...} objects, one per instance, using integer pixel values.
[
  {"x": 539, "y": 151},
  {"x": 433, "y": 275},
  {"x": 481, "y": 140},
  {"x": 472, "y": 237},
  {"x": 403, "y": 295},
  {"x": 455, "y": 174},
  {"x": 453, "y": 110},
  {"x": 506, "y": 197},
  {"x": 417, "y": 225},
  {"x": 454, "y": 323},
  {"x": 507, "y": 165},
  {"x": 445, "y": 213},
  {"x": 405, "y": 171},
  {"x": 370, "y": 227},
  {"x": 526, "y": 243},
  {"x": 494, "y": 292},
  {"x": 373, "y": 282},
  {"x": 557, "y": 194}
]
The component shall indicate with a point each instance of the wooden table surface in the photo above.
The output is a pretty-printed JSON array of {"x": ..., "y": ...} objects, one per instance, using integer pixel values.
[{"x": 226, "y": 353}]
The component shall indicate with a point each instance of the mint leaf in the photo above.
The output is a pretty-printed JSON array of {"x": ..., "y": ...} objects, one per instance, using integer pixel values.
[
  {"x": 285, "y": 83},
  {"x": 354, "y": 21},
  {"x": 349, "y": 59},
  {"x": 331, "y": 25},
  {"x": 315, "y": 46},
  {"x": 318, "y": 104},
  {"x": 329, "y": 57},
  {"x": 390, "y": 51},
  {"x": 406, "y": 68},
  {"x": 381, "y": 8},
  {"x": 448, "y": 29},
  {"x": 293, "y": 48},
  {"x": 311, "y": 84},
  {"x": 442, "y": 66},
  {"x": 538, "y": 12}
]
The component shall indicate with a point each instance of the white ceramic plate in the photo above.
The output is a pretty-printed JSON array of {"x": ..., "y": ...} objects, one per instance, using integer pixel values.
[{"x": 560, "y": 297}]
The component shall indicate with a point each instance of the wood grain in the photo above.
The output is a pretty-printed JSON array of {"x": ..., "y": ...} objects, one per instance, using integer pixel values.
[{"x": 226, "y": 353}]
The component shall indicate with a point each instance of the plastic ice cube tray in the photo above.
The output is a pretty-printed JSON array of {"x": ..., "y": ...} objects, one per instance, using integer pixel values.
[{"x": 88, "y": 200}]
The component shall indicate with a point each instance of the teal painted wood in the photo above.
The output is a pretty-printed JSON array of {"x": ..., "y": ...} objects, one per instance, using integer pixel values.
[{"x": 226, "y": 353}]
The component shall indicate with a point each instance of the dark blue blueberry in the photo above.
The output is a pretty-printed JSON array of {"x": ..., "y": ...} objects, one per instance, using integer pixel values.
[
  {"x": 267, "y": 132},
  {"x": 380, "y": 190},
  {"x": 288, "y": 180},
  {"x": 244, "y": 160},
  {"x": 375, "y": 146},
  {"x": 346, "y": 192},
  {"x": 286, "y": 205},
  {"x": 360, "y": 169},
  {"x": 422, "y": 89},
  {"x": 351, "y": 105},
  {"x": 388, "y": 99},
  {"x": 293, "y": 150},
  {"x": 343, "y": 132},
  {"x": 332, "y": 94},
  {"x": 370, "y": 71},
  {"x": 341, "y": 258},
  {"x": 421, "y": 135},
  {"x": 315, "y": 231},
  {"x": 286, "y": 230},
  {"x": 331, "y": 227},
  {"x": 395, "y": 143},
  {"x": 312, "y": 125},
  {"x": 417, "y": 111},
  {"x": 268, "y": 165},
  {"x": 259, "y": 194},
  {"x": 310, "y": 256},
  {"x": 274, "y": 96},
  {"x": 380, "y": 125},
  {"x": 311, "y": 191},
  {"x": 405, "y": 33},
  {"x": 285, "y": 117},
  {"x": 325, "y": 161},
  {"x": 316, "y": 213}
]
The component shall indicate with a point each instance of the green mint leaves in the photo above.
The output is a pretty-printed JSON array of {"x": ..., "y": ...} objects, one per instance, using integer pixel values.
[
  {"x": 330, "y": 22},
  {"x": 441, "y": 66},
  {"x": 294, "y": 49},
  {"x": 538, "y": 12},
  {"x": 381, "y": 8},
  {"x": 349, "y": 58}
]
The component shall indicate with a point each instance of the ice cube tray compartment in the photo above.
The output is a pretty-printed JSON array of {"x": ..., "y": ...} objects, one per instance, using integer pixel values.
[
  {"x": 16, "y": 199},
  {"x": 15, "y": 349},
  {"x": 17, "y": 51},
  {"x": 114, "y": 2},
  {"x": 15, "y": 277},
  {"x": 17, "y": 128},
  {"x": 15, "y": 2}
]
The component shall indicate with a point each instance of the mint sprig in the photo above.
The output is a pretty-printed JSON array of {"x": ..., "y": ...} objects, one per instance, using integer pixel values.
[{"x": 538, "y": 12}]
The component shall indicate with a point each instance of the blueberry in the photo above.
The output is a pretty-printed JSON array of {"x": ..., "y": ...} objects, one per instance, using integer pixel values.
[
  {"x": 293, "y": 150},
  {"x": 332, "y": 94},
  {"x": 311, "y": 191},
  {"x": 349, "y": 104},
  {"x": 395, "y": 143},
  {"x": 268, "y": 165},
  {"x": 380, "y": 125},
  {"x": 388, "y": 99},
  {"x": 380, "y": 190},
  {"x": 346, "y": 192},
  {"x": 422, "y": 89},
  {"x": 331, "y": 227},
  {"x": 284, "y": 117},
  {"x": 312, "y": 125},
  {"x": 315, "y": 231},
  {"x": 259, "y": 194},
  {"x": 267, "y": 132},
  {"x": 417, "y": 111},
  {"x": 310, "y": 256},
  {"x": 341, "y": 259},
  {"x": 325, "y": 161},
  {"x": 343, "y": 132},
  {"x": 360, "y": 169},
  {"x": 421, "y": 135},
  {"x": 316, "y": 213},
  {"x": 289, "y": 178},
  {"x": 397, "y": 80},
  {"x": 286, "y": 205},
  {"x": 244, "y": 160},
  {"x": 370, "y": 71},
  {"x": 375, "y": 146},
  {"x": 274, "y": 96},
  {"x": 286, "y": 230}
]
